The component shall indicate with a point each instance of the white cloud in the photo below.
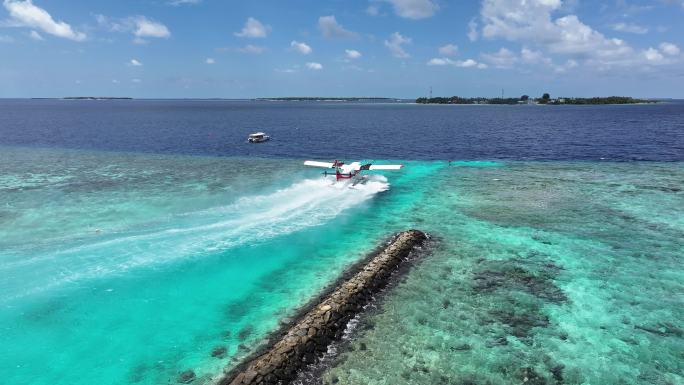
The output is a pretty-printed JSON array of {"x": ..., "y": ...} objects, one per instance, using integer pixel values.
[
  {"x": 102, "y": 20},
  {"x": 253, "y": 28},
  {"x": 439, "y": 61},
  {"x": 529, "y": 56},
  {"x": 373, "y": 10},
  {"x": 629, "y": 28},
  {"x": 140, "y": 26},
  {"x": 6, "y": 39},
  {"x": 515, "y": 20},
  {"x": 472, "y": 30},
  {"x": 114, "y": 81},
  {"x": 184, "y": 2},
  {"x": 468, "y": 63},
  {"x": 669, "y": 49},
  {"x": 314, "y": 66},
  {"x": 567, "y": 66},
  {"x": 25, "y": 14},
  {"x": 332, "y": 29},
  {"x": 210, "y": 61},
  {"x": 135, "y": 63},
  {"x": 532, "y": 22},
  {"x": 36, "y": 36},
  {"x": 253, "y": 49},
  {"x": 653, "y": 55},
  {"x": 666, "y": 53},
  {"x": 543, "y": 30},
  {"x": 352, "y": 54},
  {"x": 414, "y": 9},
  {"x": 291, "y": 70},
  {"x": 149, "y": 28},
  {"x": 448, "y": 50},
  {"x": 301, "y": 47},
  {"x": 136, "y": 80},
  {"x": 503, "y": 58},
  {"x": 395, "y": 45}
]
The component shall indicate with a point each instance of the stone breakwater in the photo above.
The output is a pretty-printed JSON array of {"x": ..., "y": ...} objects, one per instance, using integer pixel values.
[{"x": 311, "y": 334}]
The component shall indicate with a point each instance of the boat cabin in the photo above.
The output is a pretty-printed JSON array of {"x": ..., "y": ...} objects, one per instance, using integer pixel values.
[{"x": 258, "y": 137}]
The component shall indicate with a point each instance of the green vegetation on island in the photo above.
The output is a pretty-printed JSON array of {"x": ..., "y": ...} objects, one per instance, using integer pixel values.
[
  {"x": 601, "y": 100},
  {"x": 544, "y": 99}
]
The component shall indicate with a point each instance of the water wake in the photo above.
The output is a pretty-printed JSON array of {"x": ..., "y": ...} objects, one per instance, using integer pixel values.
[{"x": 250, "y": 219}]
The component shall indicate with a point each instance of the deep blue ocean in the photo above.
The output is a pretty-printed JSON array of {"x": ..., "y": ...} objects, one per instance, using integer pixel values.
[
  {"x": 350, "y": 130},
  {"x": 141, "y": 239}
]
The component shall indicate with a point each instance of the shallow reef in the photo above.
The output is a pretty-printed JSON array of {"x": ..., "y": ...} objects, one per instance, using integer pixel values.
[{"x": 545, "y": 273}]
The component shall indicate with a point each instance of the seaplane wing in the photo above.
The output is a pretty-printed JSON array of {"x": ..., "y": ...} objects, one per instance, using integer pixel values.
[
  {"x": 352, "y": 170},
  {"x": 385, "y": 167},
  {"x": 314, "y": 163},
  {"x": 356, "y": 166}
]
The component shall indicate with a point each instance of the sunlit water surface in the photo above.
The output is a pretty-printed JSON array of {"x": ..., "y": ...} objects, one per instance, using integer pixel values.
[
  {"x": 119, "y": 266},
  {"x": 130, "y": 269},
  {"x": 541, "y": 273}
]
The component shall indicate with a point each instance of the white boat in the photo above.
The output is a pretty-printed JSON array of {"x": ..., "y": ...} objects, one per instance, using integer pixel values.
[{"x": 258, "y": 137}]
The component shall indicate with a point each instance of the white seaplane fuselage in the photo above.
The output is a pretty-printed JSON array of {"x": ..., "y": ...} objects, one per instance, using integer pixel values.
[{"x": 351, "y": 172}]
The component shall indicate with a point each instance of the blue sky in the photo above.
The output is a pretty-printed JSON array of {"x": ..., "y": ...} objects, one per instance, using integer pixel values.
[{"x": 396, "y": 48}]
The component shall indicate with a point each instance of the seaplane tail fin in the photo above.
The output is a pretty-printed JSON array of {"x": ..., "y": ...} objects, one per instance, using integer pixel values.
[
  {"x": 314, "y": 163},
  {"x": 386, "y": 167}
]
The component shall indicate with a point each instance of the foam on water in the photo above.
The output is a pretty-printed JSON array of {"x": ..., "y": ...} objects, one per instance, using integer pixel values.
[
  {"x": 251, "y": 219},
  {"x": 129, "y": 269}
]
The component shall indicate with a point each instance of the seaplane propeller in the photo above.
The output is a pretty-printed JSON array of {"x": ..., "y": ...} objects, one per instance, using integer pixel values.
[{"x": 351, "y": 171}]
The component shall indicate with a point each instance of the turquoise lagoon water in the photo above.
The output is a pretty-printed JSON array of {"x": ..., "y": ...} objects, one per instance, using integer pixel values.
[
  {"x": 131, "y": 268},
  {"x": 540, "y": 273}
]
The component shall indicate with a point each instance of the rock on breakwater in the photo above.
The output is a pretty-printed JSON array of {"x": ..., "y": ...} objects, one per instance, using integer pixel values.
[{"x": 311, "y": 334}]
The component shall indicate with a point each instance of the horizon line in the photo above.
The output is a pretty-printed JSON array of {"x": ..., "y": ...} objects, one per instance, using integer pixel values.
[{"x": 306, "y": 97}]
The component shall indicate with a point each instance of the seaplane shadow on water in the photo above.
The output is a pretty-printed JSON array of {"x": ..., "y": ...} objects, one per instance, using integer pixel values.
[{"x": 351, "y": 172}]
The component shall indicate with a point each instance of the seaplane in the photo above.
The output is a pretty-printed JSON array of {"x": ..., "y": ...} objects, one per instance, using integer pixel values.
[{"x": 351, "y": 172}]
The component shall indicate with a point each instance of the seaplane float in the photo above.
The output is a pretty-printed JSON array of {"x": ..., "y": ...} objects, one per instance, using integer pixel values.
[{"x": 351, "y": 172}]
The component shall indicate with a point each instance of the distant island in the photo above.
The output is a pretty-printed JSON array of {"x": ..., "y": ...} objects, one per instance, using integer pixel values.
[
  {"x": 327, "y": 99},
  {"x": 97, "y": 98},
  {"x": 545, "y": 99}
]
